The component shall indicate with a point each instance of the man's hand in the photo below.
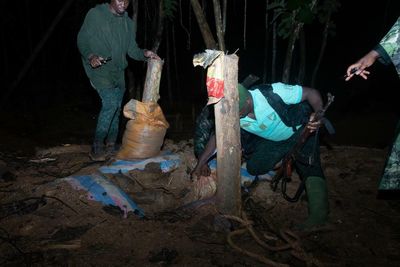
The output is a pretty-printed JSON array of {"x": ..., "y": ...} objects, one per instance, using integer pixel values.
[
  {"x": 96, "y": 61},
  {"x": 312, "y": 124},
  {"x": 359, "y": 68},
  {"x": 198, "y": 171},
  {"x": 151, "y": 54}
]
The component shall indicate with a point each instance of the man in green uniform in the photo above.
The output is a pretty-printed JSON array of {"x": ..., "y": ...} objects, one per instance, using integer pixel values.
[
  {"x": 387, "y": 52},
  {"x": 105, "y": 38}
]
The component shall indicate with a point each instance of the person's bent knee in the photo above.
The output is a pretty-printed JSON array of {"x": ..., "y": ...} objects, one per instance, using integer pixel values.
[{"x": 257, "y": 169}]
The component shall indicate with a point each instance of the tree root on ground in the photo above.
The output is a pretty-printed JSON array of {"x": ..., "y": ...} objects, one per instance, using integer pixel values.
[{"x": 291, "y": 239}]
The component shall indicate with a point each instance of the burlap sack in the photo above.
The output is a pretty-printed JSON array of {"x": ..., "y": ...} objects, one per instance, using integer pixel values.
[{"x": 145, "y": 131}]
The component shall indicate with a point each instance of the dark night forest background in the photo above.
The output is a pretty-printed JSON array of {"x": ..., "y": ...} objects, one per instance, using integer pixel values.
[{"x": 54, "y": 103}]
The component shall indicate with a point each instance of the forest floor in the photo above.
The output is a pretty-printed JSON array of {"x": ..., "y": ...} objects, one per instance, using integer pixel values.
[{"x": 45, "y": 221}]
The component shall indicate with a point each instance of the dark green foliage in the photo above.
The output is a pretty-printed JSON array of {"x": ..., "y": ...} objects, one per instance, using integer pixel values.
[
  {"x": 286, "y": 25},
  {"x": 305, "y": 15},
  {"x": 170, "y": 7},
  {"x": 293, "y": 5},
  {"x": 324, "y": 12}
]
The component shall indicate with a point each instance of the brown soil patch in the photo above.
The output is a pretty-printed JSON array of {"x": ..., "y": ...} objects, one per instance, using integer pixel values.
[{"x": 67, "y": 229}]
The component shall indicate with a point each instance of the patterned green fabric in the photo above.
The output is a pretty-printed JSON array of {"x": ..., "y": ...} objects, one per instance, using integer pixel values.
[
  {"x": 391, "y": 175},
  {"x": 389, "y": 50},
  {"x": 390, "y": 44}
]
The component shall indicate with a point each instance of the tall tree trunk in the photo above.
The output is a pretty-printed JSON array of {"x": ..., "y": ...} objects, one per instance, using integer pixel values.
[
  {"x": 176, "y": 67},
  {"x": 134, "y": 88},
  {"x": 135, "y": 7},
  {"x": 244, "y": 23},
  {"x": 291, "y": 43},
  {"x": 274, "y": 48},
  {"x": 187, "y": 31},
  {"x": 160, "y": 27},
  {"x": 303, "y": 58},
  {"x": 204, "y": 28},
  {"x": 168, "y": 59},
  {"x": 224, "y": 15},
  {"x": 266, "y": 43},
  {"x": 322, "y": 50},
  {"x": 218, "y": 25},
  {"x": 146, "y": 24},
  {"x": 289, "y": 52}
]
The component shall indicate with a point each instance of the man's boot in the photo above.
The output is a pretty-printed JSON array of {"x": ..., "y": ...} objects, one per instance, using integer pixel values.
[
  {"x": 97, "y": 153},
  {"x": 318, "y": 205}
]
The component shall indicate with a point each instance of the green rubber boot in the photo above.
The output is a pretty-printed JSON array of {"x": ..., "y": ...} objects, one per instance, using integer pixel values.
[{"x": 318, "y": 205}]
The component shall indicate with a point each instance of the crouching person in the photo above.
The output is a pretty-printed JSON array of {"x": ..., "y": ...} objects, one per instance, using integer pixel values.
[{"x": 272, "y": 117}]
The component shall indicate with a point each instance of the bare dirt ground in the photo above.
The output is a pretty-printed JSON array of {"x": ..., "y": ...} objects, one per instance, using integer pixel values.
[{"x": 46, "y": 222}]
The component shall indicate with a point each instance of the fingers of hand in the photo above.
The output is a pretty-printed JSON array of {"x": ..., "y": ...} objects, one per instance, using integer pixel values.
[
  {"x": 205, "y": 170},
  {"x": 96, "y": 61},
  {"x": 313, "y": 126},
  {"x": 151, "y": 54},
  {"x": 364, "y": 74},
  {"x": 352, "y": 69}
]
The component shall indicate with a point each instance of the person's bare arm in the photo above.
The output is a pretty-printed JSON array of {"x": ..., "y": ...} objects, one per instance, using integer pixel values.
[
  {"x": 313, "y": 97},
  {"x": 202, "y": 168}
]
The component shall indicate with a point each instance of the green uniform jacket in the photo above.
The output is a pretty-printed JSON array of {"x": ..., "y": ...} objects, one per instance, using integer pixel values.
[
  {"x": 108, "y": 35},
  {"x": 389, "y": 51},
  {"x": 389, "y": 47}
]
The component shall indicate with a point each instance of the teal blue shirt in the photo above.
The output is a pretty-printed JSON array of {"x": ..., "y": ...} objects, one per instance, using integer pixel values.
[{"x": 267, "y": 123}]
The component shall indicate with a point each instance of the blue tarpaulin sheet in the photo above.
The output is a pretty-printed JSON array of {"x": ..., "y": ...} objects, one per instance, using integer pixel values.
[
  {"x": 168, "y": 162},
  {"x": 101, "y": 189}
]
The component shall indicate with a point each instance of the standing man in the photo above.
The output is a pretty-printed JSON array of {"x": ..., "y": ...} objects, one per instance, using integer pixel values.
[
  {"x": 107, "y": 35},
  {"x": 266, "y": 137},
  {"x": 387, "y": 52}
]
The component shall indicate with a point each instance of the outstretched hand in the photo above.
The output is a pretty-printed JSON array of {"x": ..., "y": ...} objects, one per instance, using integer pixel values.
[{"x": 359, "y": 68}]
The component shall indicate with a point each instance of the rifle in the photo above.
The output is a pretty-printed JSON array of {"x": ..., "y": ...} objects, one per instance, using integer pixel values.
[{"x": 284, "y": 172}]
